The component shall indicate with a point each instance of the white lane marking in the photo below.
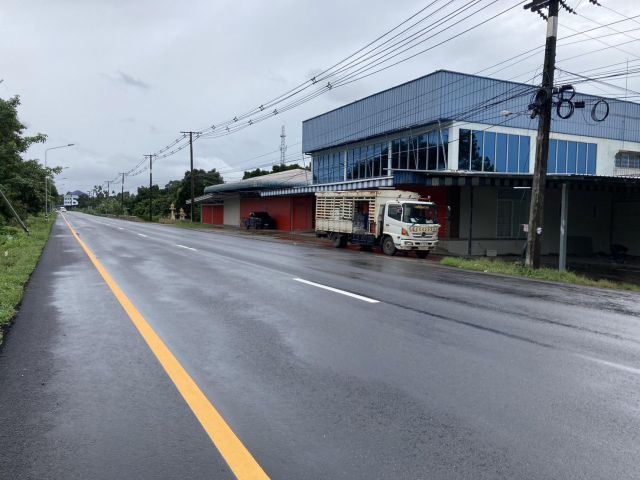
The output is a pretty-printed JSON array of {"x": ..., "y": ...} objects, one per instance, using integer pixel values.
[
  {"x": 342, "y": 292},
  {"x": 188, "y": 248},
  {"x": 120, "y": 228},
  {"x": 618, "y": 366},
  {"x": 142, "y": 235}
]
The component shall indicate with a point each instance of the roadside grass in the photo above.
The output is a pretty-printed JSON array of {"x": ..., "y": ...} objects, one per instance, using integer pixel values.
[
  {"x": 19, "y": 254},
  {"x": 518, "y": 270},
  {"x": 193, "y": 226}
]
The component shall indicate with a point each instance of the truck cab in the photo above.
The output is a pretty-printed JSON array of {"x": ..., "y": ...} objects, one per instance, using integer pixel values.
[{"x": 408, "y": 225}]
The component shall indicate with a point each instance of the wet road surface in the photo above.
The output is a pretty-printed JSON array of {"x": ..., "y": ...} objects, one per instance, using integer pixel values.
[{"x": 400, "y": 369}]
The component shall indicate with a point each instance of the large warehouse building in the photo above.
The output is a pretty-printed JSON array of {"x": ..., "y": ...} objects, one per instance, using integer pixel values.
[{"x": 469, "y": 143}]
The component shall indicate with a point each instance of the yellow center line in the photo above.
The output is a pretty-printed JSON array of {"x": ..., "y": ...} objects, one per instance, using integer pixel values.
[{"x": 240, "y": 461}]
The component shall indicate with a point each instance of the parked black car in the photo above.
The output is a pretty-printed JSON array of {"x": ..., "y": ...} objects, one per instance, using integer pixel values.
[{"x": 259, "y": 220}]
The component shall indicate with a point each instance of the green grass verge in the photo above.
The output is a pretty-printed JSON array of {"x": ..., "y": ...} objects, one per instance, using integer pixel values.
[
  {"x": 193, "y": 226},
  {"x": 519, "y": 270},
  {"x": 19, "y": 254}
]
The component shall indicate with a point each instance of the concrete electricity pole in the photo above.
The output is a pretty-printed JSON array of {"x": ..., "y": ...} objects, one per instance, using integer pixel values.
[
  {"x": 150, "y": 184},
  {"x": 122, "y": 194},
  {"x": 192, "y": 179},
  {"x": 108, "y": 187},
  {"x": 542, "y": 107}
]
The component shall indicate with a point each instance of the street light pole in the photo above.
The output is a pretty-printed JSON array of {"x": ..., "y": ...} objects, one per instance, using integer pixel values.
[{"x": 46, "y": 179}]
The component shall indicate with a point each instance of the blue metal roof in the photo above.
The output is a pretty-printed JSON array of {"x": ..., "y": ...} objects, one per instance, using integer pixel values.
[{"x": 446, "y": 96}]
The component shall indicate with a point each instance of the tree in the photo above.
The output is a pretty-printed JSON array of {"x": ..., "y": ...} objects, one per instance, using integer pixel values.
[
  {"x": 255, "y": 173},
  {"x": 275, "y": 169},
  {"x": 202, "y": 179},
  {"x": 21, "y": 181}
]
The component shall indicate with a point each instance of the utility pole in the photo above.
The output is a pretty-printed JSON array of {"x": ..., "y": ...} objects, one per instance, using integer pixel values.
[
  {"x": 542, "y": 107},
  {"x": 122, "y": 194},
  {"x": 108, "y": 187},
  {"x": 283, "y": 147},
  {"x": 15, "y": 214},
  {"x": 150, "y": 184},
  {"x": 192, "y": 179}
]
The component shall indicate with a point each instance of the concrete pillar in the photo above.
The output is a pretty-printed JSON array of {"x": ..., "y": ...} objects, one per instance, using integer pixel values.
[
  {"x": 470, "y": 243},
  {"x": 564, "y": 208}
]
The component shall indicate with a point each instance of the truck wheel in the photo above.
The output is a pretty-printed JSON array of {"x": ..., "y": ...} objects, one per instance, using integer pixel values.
[
  {"x": 388, "y": 247},
  {"x": 422, "y": 253},
  {"x": 337, "y": 240}
]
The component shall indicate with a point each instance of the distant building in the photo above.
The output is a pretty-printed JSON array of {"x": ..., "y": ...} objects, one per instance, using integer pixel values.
[
  {"x": 231, "y": 203},
  {"x": 71, "y": 200}
]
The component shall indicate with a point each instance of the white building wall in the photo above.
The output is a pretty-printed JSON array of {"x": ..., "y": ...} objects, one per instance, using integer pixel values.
[
  {"x": 452, "y": 150},
  {"x": 232, "y": 211}
]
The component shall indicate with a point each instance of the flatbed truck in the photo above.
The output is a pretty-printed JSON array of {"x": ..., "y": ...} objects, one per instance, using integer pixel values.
[{"x": 394, "y": 220}]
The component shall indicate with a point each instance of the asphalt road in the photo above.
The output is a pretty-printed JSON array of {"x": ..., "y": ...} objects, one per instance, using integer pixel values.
[{"x": 451, "y": 374}]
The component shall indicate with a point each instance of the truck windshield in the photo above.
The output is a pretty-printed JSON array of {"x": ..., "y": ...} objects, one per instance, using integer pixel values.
[{"x": 419, "y": 213}]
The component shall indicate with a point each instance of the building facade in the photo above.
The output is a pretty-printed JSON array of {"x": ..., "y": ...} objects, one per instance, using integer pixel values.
[
  {"x": 231, "y": 203},
  {"x": 469, "y": 142}
]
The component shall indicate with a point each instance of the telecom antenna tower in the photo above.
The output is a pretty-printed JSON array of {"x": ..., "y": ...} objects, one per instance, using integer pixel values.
[{"x": 283, "y": 146}]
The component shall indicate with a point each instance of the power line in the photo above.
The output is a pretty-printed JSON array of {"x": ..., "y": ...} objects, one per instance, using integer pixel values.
[{"x": 231, "y": 126}]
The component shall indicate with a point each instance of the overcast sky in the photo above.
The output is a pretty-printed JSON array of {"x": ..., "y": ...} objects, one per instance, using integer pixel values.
[{"x": 121, "y": 78}]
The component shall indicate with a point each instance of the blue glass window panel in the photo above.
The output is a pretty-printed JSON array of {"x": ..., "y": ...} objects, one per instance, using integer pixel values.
[
  {"x": 327, "y": 168},
  {"x": 523, "y": 157},
  {"x": 413, "y": 153},
  {"x": 476, "y": 150},
  {"x": 489, "y": 156},
  {"x": 592, "y": 154},
  {"x": 367, "y": 156},
  {"x": 350, "y": 165},
  {"x": 443, "y": 151},
  {"x": 501, "y": 153},
  {"x": 512, "y": 154},
  {"x": 423, "y": 141},
  {"x": 432, "y": 153},
  {"x": 377, "y": 167},
  {"x": 341, "y": 157},
  {"x": 315, "y": 169},
  {"x": 356, "y": 162},
  {"x": 552, "y": 162},
  {"x": 464, "y": 149},
  {"x": 562, "y": 157},
  {"x": 323, "y": 169},
  {"x": 422, "y": 158},
  {"x": 385, "y": 159},
  {"x": 572, "y": 157},
  {"x": 582, "y": 158},
  {"x": 404, "y": 152},
  {"x": 395, "y": 154}
]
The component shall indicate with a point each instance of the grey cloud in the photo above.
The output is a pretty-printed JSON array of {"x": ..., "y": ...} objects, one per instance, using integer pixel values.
[
  {"x": 155, "y": 130},
  {"x": 129, "y": 80}
]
